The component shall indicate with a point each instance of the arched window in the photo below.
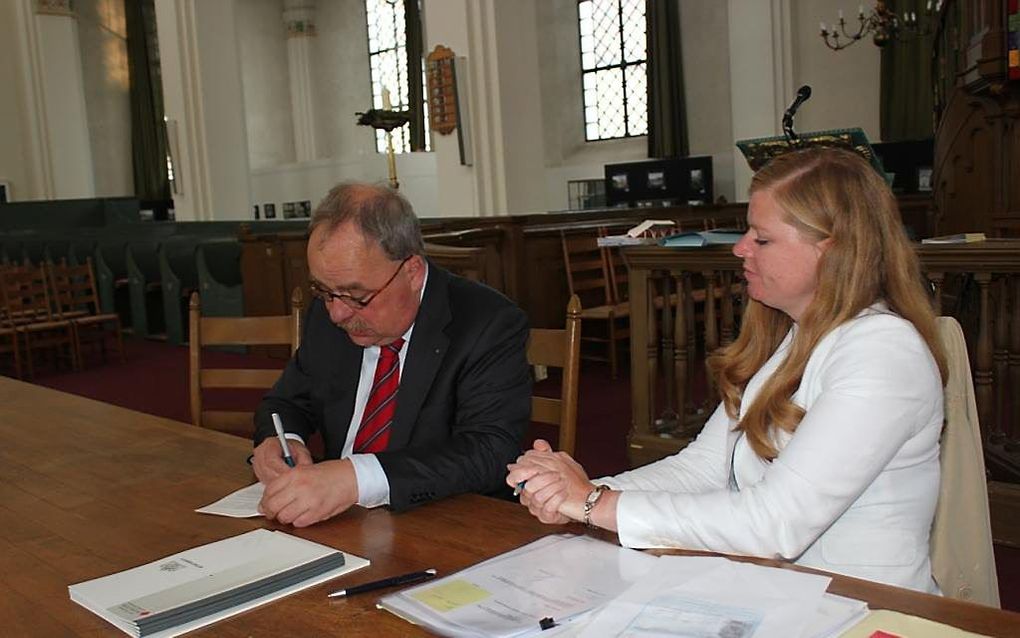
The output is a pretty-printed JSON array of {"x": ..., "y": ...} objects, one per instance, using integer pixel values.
[{"x": 613, "y": 63}]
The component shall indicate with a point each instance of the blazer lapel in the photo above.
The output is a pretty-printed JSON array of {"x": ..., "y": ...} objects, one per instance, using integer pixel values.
[
  {"x": 427, "y": 349},
  {"x": 343, "y": 387}
]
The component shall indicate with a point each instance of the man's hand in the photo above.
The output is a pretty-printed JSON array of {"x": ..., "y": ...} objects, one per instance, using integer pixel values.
[
  {"x": 307, "y": 494},
  {"x": 268, "y": 458}
]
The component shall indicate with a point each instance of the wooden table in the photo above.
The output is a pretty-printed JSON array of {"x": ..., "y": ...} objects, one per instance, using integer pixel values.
[{"x": 87, "y": 489}]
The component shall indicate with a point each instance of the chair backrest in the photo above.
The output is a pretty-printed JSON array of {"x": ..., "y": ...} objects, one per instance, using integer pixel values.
[
  {"x": 244, "y": 331},
  {"x": 587, "y": 269},
  {"x": 25, "y": 295},
  {"x": 559, "y": 349},
  {"x": 74, "y": 288},
  {"x": 961, "y": 540}
]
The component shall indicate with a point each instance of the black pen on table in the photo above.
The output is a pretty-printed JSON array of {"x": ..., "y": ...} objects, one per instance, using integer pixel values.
[{"x": 406, "y": 579}]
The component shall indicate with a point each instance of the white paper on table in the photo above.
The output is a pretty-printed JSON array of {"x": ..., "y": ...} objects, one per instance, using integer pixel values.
[
  {"x": 244, "y": 503},
  {"x": 709, "y": 599},
  {"x": 558, "y": 577}
]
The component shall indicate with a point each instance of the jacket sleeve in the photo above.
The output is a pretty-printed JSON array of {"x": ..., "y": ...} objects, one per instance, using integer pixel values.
[
  {"x": 878, "y": 388},
  {"x": 493, "y": 406}
]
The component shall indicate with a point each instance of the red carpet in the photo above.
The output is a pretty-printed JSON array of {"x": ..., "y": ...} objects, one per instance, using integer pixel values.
[{"x": 155, "y": 380}]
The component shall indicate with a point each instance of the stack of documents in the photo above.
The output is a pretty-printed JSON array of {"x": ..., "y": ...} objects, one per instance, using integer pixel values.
[
  {"x": 594, "y": 589},
  {"x": 201, "y": 585},
  {"x": 560, "y": 577}
]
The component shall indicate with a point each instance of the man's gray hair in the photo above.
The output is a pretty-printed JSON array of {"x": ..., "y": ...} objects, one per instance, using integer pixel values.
[{"x": 380, "y": 213}]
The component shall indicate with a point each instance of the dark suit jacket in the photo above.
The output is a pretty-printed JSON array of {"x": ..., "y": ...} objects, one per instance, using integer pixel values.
[{"x": 464, "y": 400}]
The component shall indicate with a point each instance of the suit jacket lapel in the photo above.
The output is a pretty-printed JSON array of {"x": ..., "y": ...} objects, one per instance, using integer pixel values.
[
  {"x": 343, "y": 387},
  {"x": 426, "y": 351}
]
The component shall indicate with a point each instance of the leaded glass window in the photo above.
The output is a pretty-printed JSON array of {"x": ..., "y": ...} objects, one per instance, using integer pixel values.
[
  {"x": 613, "y": 59},
  {"x": 387, "y": 56}
]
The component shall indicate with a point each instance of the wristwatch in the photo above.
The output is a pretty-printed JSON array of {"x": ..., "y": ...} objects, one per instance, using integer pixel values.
[{"x": 589, "y": 502}]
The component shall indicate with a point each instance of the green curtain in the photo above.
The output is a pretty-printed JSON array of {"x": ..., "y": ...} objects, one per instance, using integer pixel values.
[
  {"x": 412, "y": 32},
  {"x": 148, "y": 131},
  {"x": 906, "y": 93},
  {"x": 667, "y": 113}
]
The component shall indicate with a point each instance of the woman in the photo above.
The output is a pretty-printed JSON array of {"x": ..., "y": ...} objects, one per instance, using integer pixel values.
[{"x": 825, "y": 448}]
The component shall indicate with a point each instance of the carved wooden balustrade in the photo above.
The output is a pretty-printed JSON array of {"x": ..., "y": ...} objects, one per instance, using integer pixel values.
[{"x": 671, "y": 395}]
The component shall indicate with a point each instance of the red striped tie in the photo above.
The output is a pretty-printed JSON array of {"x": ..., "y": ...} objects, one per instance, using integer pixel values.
[{"x": 374, "y": 433}]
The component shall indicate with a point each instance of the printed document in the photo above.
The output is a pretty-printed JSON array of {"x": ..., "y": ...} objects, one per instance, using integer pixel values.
[{"x": 555, "y": 577}]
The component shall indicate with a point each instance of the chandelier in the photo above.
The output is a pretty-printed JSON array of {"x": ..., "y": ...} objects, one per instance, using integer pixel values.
[{"x": 883, "y": 25}]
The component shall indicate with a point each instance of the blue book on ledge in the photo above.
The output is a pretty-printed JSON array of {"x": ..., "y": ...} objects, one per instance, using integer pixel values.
[{"x": 718, "y": 237}]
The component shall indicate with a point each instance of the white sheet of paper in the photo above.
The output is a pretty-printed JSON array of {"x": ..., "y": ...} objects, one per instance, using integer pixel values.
[
  {"x": 244, "y": 503},
  {"x": 711, "y": 599}
]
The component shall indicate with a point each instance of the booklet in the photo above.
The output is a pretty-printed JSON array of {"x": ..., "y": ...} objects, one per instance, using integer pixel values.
[
  {"x": 959, "y": 238},
  {"x": 718, "y": 237},
  {"x": 204, "y": 584}
]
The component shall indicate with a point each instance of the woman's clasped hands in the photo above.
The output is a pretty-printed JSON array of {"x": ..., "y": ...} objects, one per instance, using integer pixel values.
[{"x": 555, "y": 486}]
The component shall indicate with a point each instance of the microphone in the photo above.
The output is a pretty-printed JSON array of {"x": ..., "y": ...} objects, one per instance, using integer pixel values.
[{"x": 803, "y": 93}]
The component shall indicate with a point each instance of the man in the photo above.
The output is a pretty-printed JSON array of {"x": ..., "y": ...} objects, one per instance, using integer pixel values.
[{"x": 416, "y": 378}]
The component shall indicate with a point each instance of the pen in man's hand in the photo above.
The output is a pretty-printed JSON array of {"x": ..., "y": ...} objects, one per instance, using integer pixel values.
[
  {"x": 278, "y": 425},
  {"x": 406, "y": 579},
  {"x": 519, "y": 488}
]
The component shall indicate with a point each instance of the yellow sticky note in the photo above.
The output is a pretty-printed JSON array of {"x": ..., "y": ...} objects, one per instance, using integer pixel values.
[{"x": 451, "y": 595}]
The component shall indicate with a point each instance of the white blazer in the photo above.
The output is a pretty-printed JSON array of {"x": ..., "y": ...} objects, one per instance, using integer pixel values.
[{"x": 853, "y": 490}]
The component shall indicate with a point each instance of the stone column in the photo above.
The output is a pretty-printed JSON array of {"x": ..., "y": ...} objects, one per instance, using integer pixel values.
[
  {"x": 56, "y": 96},
  {"x": 204, "y": 106},
  {"x": 299, "y": 19}
]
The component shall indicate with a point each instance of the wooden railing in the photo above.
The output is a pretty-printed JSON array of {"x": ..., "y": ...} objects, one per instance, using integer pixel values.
[{"x": 671, "y": 393}]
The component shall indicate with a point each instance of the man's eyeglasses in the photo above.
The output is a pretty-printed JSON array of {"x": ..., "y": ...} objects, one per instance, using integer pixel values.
[{"x": 352, "y": 302}]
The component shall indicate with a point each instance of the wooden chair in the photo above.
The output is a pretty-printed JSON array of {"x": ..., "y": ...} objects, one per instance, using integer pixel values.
[
  {"x": 589, "y": 278},
  {"x": 559, "y": 349},
  {"x": 28, "y": 312},
  {"x": 77, "y": 300},
  {"x": 9, "y": 340},
  {"x": 244, "y": 331}
]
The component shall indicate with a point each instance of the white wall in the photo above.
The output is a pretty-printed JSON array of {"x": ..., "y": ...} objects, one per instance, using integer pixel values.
[
  {"x": 567, "y": 155},
  {"x": 845, "y": 84},
  {"x": 706, "y": 60}
]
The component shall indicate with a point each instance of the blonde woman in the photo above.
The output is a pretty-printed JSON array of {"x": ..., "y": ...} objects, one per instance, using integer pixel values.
[{"x": 825, "y": 447}]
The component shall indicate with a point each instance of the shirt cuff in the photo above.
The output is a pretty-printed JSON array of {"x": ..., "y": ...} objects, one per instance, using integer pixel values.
[
  {"x": 294, "y": 437},
  {"x": 373, "y": 486}
]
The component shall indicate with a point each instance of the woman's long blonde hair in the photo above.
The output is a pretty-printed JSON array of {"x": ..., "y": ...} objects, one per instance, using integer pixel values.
[{"x": 826, "y": 194}]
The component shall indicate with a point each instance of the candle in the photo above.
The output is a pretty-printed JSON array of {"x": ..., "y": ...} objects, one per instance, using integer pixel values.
[
  {"x": 824, "y": 31},
  {"x": 840, "y": 15},
  {"x": 386, "y": 99},
  {"x": 860, "y": 11}
]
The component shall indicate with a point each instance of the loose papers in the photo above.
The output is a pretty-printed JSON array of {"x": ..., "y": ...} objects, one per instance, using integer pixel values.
[
  {"x": 244, "y": 503},
  {"x": 557, "y": 576},
  {"x": 595, "y": 589}
]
